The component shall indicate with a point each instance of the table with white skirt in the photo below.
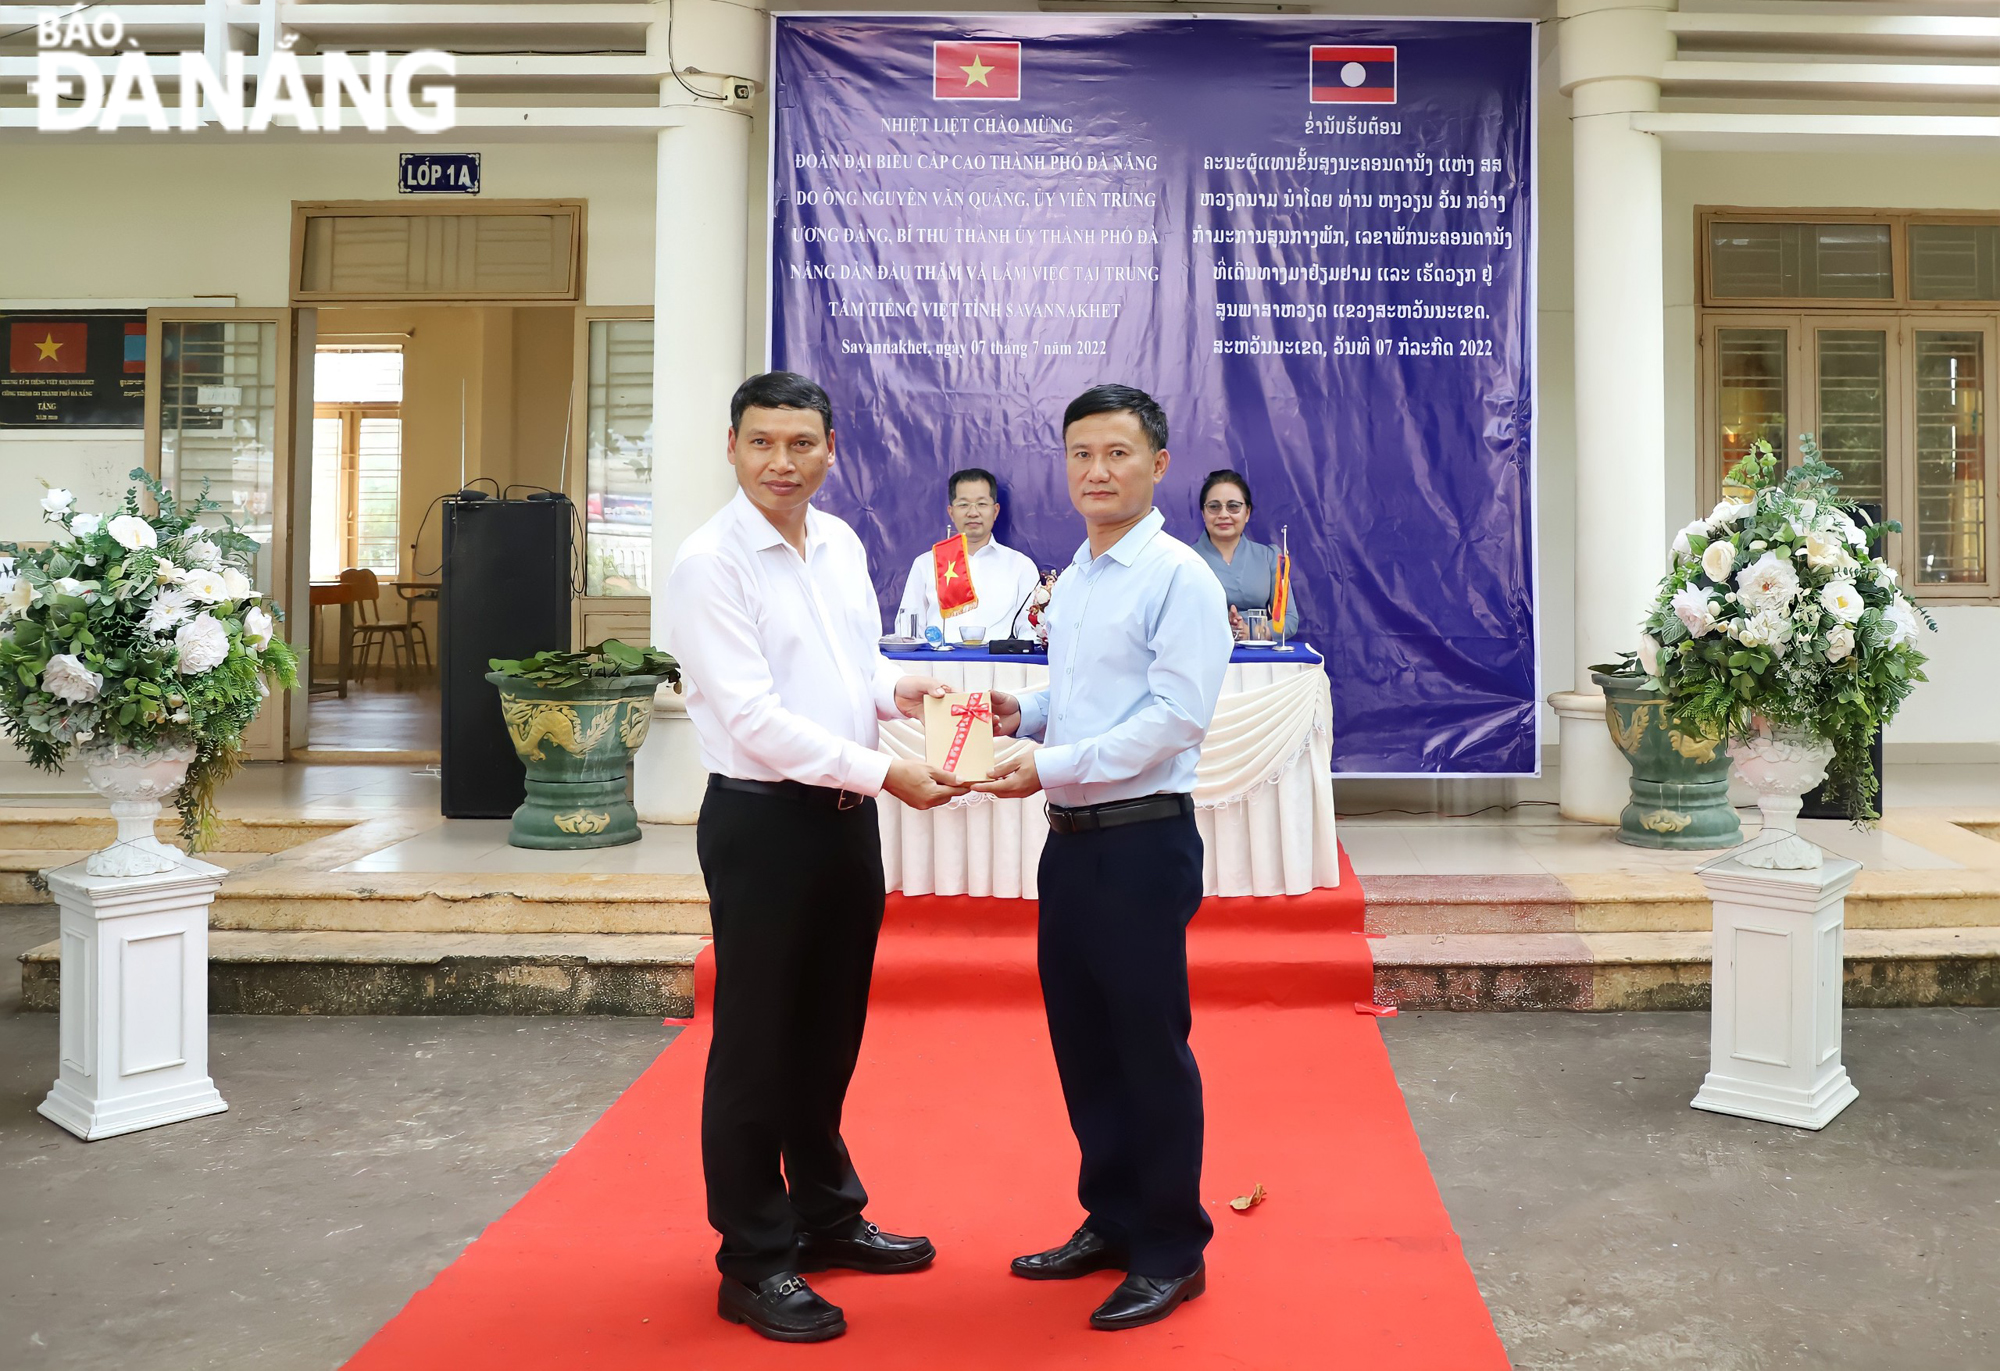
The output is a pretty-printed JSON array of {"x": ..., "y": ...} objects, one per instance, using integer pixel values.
[{"x": 1263, "y": 790}]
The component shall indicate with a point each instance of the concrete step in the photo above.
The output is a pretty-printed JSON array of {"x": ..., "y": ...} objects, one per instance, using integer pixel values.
[
  {"x": 427, "y": 973},
  {"x": 1885, "y": 968},
  {"x": 68, "y": 831}
]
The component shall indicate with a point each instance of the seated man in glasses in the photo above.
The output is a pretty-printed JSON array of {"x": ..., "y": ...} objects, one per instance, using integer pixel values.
[{"x": 1001, "y": 577}]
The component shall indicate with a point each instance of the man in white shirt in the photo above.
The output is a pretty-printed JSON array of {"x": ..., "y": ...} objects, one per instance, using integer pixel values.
[
  {"x": 774, "y": 620},
  {"x": 1138, "y": 644},
  {"x": 1001, "y": 577}
]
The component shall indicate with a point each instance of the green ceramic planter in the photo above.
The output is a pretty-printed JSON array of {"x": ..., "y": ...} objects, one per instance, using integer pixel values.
[
  {"x": 577, "y": 744},
  {"x": 1680, "y": 784}
]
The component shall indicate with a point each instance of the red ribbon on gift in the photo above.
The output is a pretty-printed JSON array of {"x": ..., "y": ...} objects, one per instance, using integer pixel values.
[{"x": 973, "y": 708}]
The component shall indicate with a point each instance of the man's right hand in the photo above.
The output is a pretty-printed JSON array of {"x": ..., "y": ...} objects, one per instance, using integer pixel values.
[{"x": 920, "y": 786}]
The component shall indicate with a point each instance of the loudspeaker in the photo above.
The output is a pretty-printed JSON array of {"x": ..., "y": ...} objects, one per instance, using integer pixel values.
[{"x": 506, "y": 593}]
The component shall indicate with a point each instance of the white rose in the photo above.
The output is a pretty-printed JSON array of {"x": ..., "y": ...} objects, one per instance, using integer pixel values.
[
  {"x": 1808, "y": 514},
  {"x": 1842, "y": 601},
  {"x": 1649, "y": 654},
  {"x": 235, "y": 584},
  {"x": 66, "y": 585},
  {"x": 206, "y": 586},
  {"x": 203, "y": 643},
  {"x": 57, "y": 501},
  {"x": 16, "y": 595},
  {"x": 1728, "y": 512},
  {"x": 83, "y": 525},
  {"x": 165, "y": 573},
  {"x": 1903, "y": 620},
  {"x": 1767, "y": 628},
  {"x": 201, "y": 553},
  {"x": 1884, "y": 573},
  {"x": 1839, "y": 643},
  {"x": 1683, "y": 545},
  {"x": 1692, "y": 605},
  {"x": 1767, "y": 583},
  {"x": 1828, "y": 551},
  {"x": 1718, "y": 559},
  {"x": 133, "y": 532},
  {"x": 257, "y": 629},
  {"x": 67, "y": 678}
]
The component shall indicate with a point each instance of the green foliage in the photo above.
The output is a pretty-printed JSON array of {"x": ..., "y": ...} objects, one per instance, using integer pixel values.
[
  {"x": 1779, "y": 607},
  {"x": 609, "y": 660},
  {"x": 152, "y": 639}
]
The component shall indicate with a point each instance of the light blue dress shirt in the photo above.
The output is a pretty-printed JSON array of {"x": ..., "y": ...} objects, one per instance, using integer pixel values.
[{"x": 1138, "y": 644}]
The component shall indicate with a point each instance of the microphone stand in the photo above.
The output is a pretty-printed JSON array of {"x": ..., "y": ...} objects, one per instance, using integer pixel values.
[{"x": 1011, "y": 646}]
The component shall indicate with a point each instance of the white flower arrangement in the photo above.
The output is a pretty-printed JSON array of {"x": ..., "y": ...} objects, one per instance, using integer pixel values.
[
  {"x": 105, "y": 637},
  {"x": 1777, "y": 606}
]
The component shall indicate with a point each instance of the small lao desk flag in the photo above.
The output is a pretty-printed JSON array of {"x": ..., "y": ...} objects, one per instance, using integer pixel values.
[
  {"x": 953, "y": 567},
  {"x": 976, "y": 71}
]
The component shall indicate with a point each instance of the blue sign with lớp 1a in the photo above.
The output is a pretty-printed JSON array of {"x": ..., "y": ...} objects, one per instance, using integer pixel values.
[{"x": 438, "y": 173}]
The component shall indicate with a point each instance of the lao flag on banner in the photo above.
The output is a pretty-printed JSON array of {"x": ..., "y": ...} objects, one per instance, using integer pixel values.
[
  {"x": 46, "y": 349},
  {"x": 976, "y": 71},
  {"x": 1353, "y": 76},
  {"x": 953, "y": 567},
  {"x": 135, "y": 347}
]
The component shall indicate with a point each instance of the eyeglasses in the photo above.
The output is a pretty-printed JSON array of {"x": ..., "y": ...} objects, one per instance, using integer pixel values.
[
  {"x": 973, "y": 506},
  {"x": 1225, "y": 507}
]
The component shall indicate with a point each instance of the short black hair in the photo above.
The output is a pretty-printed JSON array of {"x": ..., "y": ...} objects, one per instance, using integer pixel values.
[
  {"x": 780, "y": 390},
  {"x": 1225, "y": 477},
  {"x": 1116, "y": 399},
  {"x": 959, "y": 478}
]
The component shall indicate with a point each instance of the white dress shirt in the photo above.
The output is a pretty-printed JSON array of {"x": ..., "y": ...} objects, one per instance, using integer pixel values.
[
  {"x": 778, "y": 652},
  {"x": 1001, "y": 577},
  {"x": 1138, "y": 645}
]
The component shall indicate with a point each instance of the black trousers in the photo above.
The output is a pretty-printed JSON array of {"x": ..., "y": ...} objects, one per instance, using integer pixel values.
[
  {"x": 795, "y": 900},
  {"x": 1115, "y": 907}
]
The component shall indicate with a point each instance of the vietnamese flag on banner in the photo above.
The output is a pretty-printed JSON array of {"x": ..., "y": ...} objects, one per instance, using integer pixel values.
[
  {"x": 46, "y": 349},
  {"x": 976, "y": 71},
  {"x": 953, "y": 566}
]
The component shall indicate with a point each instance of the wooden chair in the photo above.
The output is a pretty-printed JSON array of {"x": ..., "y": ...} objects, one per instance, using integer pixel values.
[{"x": 372, "y": 634}]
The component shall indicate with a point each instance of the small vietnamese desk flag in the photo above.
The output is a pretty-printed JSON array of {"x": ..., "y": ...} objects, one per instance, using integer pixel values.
[
  {"x": 43, "y": 349},
  {"x": 953, "y": 567},
  {"x": 976, "y": 71}
]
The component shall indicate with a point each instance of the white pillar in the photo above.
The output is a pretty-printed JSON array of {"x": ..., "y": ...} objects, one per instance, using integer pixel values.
[
  {"x": 1611, "y": 53},
  {"x": 701, "y": 236},
  {"x": 1774, "y": 1025},
  {"x": 133, "y": 1040}
]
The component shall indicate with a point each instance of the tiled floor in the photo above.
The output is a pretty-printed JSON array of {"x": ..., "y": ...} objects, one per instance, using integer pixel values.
[
  {"x": 481, "y": 845},
  {"x": 376, "y": 714}
]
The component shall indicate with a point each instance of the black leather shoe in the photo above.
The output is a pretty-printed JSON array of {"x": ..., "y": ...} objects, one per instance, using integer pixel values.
[
  {"x": 870, "y": 1249},
  {"x": 782, "y": 1308},
  {"x": 1084, "y": 1253},
  {"x": 1141, "y": 1300}
]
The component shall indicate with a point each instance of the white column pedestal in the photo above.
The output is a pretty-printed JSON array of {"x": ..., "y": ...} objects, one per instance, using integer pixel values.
[
  {"x": 668, "y": 779},
  {"x": 133, "y": 1047},
  {"x": 1774, "y": 1036},
  {"x": 1596, "y": 780}
]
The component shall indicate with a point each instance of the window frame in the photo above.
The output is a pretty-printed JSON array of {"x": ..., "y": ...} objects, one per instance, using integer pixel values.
[
  {"x": 349, "y": 414},
  {"x": 1901, "y": 318},
  {"x": 304, "y": 210}
]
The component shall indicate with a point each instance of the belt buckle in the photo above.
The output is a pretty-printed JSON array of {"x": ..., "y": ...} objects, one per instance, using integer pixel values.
[{"x": 849, "y": 800}]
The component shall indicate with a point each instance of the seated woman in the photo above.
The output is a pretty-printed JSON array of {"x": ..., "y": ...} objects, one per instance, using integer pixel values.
[{"x": 1248, "y": 570}]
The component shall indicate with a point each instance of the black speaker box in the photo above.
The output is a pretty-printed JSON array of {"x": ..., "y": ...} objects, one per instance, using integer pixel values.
[{"x": 506, "y": 593}]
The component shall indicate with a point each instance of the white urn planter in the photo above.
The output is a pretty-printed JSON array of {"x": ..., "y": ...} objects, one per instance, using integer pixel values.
[
  {"x": 133, "y": 1039},
  {"x": 1779, "y": 916}
]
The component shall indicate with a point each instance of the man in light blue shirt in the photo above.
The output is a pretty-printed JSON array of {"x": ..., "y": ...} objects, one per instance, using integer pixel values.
[{"x": 1138, "y": 643}]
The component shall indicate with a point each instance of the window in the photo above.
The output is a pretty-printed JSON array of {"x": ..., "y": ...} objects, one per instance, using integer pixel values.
[
  {"x": 499, "y": 250},
  {"x": 357, "y": 496},
  {"x": 1876, "y": 334},
  {"x": 618, "y": 443}
]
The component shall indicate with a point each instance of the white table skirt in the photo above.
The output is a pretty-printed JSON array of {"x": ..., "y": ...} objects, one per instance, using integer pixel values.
[{"x": 1263, "y": 794}]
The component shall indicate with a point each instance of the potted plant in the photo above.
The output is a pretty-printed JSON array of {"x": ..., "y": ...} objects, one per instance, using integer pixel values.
[
  {"x": 575, "y": 719},
  {"x": 137, "y": 644},
  {"x": 1680, "y": 779},
  {"x": 1780, "y": 628}
]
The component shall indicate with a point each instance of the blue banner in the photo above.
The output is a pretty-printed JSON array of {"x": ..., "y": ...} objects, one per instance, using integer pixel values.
[{"x": 1310, "y": 238}]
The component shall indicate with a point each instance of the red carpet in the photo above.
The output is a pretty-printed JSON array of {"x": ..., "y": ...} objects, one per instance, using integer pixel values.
[{"x": 957, "y": 1125}]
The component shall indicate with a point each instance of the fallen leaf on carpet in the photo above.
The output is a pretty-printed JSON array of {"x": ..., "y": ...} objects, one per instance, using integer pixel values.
[{"x": 1243, "y": 1204}]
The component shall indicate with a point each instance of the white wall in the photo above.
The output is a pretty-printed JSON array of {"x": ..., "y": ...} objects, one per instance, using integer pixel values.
[{"x": 1956, "y": 705}]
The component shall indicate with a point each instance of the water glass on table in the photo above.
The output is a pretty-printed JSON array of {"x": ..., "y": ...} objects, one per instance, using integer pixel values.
[{"x": 1257, "y": 625}]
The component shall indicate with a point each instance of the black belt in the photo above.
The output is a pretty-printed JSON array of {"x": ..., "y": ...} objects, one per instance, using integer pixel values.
[
  {"x": 791, "y": 790},
  {"x": 1090, "y": 818}
]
